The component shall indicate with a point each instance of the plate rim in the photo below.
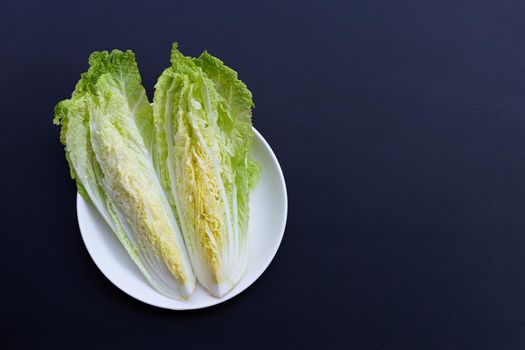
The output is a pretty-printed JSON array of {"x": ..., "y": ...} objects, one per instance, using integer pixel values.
[{"x": 228, "y": 296}]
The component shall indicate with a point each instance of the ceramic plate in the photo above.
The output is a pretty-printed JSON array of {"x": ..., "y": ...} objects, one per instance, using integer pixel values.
[{"x": 268, "y": 211}]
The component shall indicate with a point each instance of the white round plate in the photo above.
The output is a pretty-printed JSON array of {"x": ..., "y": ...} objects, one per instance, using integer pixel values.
[{"x": 268, "y": 211}]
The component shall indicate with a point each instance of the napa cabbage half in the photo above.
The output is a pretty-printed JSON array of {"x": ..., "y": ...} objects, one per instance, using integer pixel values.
[
  {"x": 108, "y": 134},
  {"x": 202, "y": 119}
]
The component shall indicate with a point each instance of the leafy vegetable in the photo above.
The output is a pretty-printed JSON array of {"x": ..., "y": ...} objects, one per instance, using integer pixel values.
[
  {"x": 202, "y": 117},
  {"x": 108, "y": 134}
]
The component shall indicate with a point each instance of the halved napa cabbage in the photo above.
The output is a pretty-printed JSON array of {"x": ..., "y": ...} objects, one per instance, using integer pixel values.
[
  {"x": 202, "y": 119},
  {"x": 108, "y": 134}
]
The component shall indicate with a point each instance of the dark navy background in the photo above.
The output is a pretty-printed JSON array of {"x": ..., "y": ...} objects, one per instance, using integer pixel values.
[{"x": 400, "y": 127}]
